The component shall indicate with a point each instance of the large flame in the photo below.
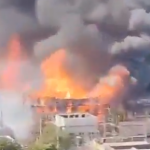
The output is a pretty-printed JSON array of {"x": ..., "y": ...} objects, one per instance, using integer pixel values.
[
  {"x": 11, "y": 69},
  {"x": 111, "y": 85},
  {"x": 57, "y": 83}
]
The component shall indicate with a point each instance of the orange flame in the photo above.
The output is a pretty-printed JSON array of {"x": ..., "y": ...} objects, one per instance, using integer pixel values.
[
  {"x": 14, "y": 48},
  {"x": 10, "y": 74},
  {"x": 10, "y": 77},
  {"x": 111, "y": 85},
  {"x": 57, "y": 83}
]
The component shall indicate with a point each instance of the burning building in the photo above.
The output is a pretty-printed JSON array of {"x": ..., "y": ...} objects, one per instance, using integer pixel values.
[
  {"x": 84, "y": 62},
  {"x": 69, "y": 105},
  {"x": 67, "y": 97},
  {"x": 55, "y": 106}
]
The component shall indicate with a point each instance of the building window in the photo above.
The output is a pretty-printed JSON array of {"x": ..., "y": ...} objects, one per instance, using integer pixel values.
[
  {"x": 81, "y": 134},
  {"x": 83, "y": 115},
  {"x": 65, "y": 116},
  {"x": 76, "y": 116}
]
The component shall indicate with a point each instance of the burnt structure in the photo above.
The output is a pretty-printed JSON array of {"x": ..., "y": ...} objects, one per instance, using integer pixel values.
[{"x": 57, "y": 105}]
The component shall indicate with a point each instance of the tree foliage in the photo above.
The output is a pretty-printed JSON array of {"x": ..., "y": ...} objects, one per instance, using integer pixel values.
[
  {"x": 54, "y": 137},
  {"x": 40, "y": 146},
  {"x": 8, "y": 145}
]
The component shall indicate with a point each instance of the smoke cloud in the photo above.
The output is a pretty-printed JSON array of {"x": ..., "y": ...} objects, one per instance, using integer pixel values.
[{"x": 16, "y": 115}]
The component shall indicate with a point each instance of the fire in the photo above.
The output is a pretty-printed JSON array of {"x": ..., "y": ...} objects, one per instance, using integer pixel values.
[
  {"x": 14, "y": 47},
  {"x": 111, "y": 85},
  {"x": 57, "y": 83},
  {"x": 10, "y": 74}
]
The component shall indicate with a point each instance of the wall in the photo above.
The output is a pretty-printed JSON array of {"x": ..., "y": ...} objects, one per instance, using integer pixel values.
[
  {"x": 88, "y": 120},
  {"x": 86, "y": 127}
]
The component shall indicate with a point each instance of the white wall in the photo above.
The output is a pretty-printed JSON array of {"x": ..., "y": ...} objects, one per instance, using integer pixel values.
[
  {"x": 80, "y": 129},
  {"x": 88, "y": 120},
  {"x": 87, "y": 126}
]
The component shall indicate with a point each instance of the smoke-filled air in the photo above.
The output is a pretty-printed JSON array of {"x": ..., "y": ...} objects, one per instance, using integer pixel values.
[{"x": 71, "y": 49}]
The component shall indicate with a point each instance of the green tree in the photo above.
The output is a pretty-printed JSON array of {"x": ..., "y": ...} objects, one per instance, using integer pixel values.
[
  {"x": 52, "y": 135},
  {"x": 8, "y": 145},
  {"x": 36, "y": 146},
  {"x": 51, "y": 147},
  {"x": 39, "y": 146}
]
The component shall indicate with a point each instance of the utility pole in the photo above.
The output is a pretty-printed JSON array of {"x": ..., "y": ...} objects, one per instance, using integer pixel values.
[
  {"x": 58, "y": 139},
  {"x": 40, "y": 125},
  {"x": 1, "y": 119},
  {"x": 146, "y": 122},
  {"x": 106, "y": 118}
]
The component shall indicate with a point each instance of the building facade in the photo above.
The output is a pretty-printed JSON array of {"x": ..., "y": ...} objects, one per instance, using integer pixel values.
[{"x": 79, "y": 125}]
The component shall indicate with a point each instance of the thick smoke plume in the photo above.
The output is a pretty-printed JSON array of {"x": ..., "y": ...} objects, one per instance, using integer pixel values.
[{"x": 16, "y": 115}]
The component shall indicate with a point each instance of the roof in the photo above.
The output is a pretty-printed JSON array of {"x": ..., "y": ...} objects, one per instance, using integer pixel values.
[
  {"x": 127, "y": 143},
  {"x": 75, "y": 115}
]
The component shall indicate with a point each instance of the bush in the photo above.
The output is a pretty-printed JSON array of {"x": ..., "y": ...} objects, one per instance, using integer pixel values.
[
  {"x": 39, "y": 146},
  {"x": 53, "y": 135},
  {"x": 9, "y": 145}
]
